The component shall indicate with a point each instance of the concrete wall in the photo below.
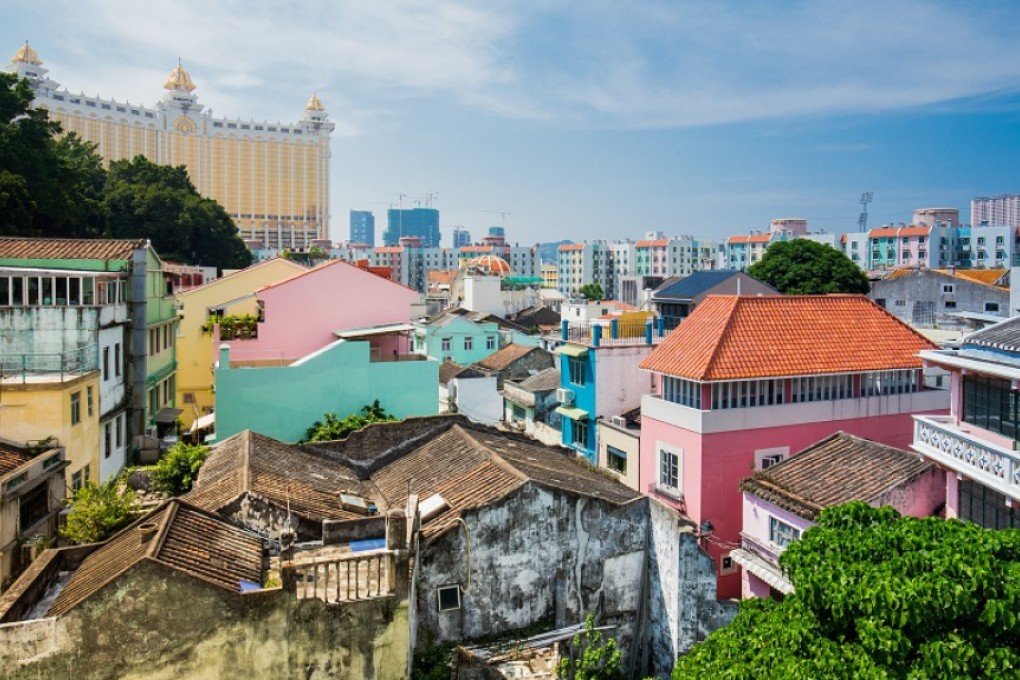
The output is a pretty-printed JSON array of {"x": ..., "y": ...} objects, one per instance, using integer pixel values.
[
  {"x": 619, "y": 383},
  {"x": 626, "y": 441},
  {"x": 478, "y": 399},
  {"x": 137, "y": 629},
  {"x": 903, "y": 293},
  {"x": 283, "y": 401}
]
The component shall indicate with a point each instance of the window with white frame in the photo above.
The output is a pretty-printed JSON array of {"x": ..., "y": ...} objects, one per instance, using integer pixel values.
[
  {"x": 616, "y": 459},
  {"x": 576, "y": 367},
  {"x": 766, "y": 458},
  {"x": 876, "y": 383},
  {"x": 670, "y": 467},
  {"x": 448, "y": 598},
  {"x": 747, "y": 393},
  {"x": 469, "y": 344},
  {"x": 490, "y": 342},
  {"x": 683, "y": 392},
  {"x": 821, "y": 388},
  {"x": 782, "y": 534},
  {"x": 579, "y": 433},
  {"x": 445, "y": 344}
]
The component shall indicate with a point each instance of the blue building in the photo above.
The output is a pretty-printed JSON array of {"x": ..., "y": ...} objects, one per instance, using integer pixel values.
[
  {"x": 461, "y": 237},
  {"x": 421, "y": 222},
  {"x": 363, "y": 227}
]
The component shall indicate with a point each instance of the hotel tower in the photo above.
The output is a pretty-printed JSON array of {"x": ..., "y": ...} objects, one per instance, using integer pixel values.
[{"x": 273, "y": 178}]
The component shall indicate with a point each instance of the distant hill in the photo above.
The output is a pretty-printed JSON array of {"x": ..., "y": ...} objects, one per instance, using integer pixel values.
[{"x": 547, "y": 251}]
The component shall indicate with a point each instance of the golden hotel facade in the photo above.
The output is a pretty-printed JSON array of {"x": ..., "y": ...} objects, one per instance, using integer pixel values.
[{"x": 272, "y": 178}]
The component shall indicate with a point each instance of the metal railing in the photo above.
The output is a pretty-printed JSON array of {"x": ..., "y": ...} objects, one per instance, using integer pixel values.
[
  {"x": 614, "y": 332},
  {"x": 71, "y": 362}
]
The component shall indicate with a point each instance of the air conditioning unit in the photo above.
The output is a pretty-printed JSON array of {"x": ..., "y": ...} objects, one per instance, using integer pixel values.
[
  {"x": 565, "y": 396},
  {"x": 619, "y": 421}
]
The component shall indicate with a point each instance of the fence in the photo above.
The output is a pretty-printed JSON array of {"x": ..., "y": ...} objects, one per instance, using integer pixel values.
[
  {"x": 357, "y": 576},
  {"x": 69, "y": 362}
]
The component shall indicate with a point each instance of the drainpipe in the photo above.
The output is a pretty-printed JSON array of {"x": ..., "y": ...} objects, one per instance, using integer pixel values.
[{"x": 137, "y": 342}]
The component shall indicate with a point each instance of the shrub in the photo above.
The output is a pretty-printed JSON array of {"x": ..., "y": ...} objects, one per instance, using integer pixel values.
[
  {"x": 99, "y": 511},
  {"x": 176, "y": 472}
]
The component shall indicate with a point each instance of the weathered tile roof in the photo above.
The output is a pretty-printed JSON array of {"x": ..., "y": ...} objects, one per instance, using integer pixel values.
[
  {"x": 68, "y": 248},
  {"x": 988, "y": 277},
  {"x": 448, "y": 370},
  {"x": 12, "y": 457},
  {"x": 836, "y": 470},
  {"x": 543, "y": 381},
  {"x": 184, "y": 538},
  {"x": 287, "y": 476},
  {"x": 506, "y": 357},
  {"x": 731, "y": 337},
  {"x": 688, "y": 287}
]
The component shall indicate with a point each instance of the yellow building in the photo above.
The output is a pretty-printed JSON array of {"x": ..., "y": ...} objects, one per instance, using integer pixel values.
[
  {"x": 230, "y": 295},
  {"x": 272, "y": 178},
  {"x": 35, "y": 406}
]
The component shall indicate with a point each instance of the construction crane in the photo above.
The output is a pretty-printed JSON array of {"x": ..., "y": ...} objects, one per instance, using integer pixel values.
[
  {"x": 862, "y": 221},
  {"x": 503, "y": 215}
]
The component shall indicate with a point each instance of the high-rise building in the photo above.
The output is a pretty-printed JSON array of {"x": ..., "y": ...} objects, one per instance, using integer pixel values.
[
  {"x": 421, "y": 222},
  {"x": 461, "y": 237},
  {"x": 363, "y": 227},
  {"x": 1003, "y": 210},
  {"x": 272, "y": 178}
]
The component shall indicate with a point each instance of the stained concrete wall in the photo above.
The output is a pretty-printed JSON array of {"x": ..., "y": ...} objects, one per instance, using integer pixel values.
[{"x": 156, "y": 624}]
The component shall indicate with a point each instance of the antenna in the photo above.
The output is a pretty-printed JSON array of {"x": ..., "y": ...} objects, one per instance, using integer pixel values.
[{"x": 862, "y": 221}]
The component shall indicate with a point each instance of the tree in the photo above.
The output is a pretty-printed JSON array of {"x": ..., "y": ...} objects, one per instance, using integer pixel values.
[
  {"x": 332, "y": 427},
  {"x": 805, "y": 267},
  {"x": 590, "y": 657},
  {"x": 592, "y": 291},
  {"x": 159, "y": 202},
  {"x": 98, "y": 511},
  {"x": 879, "y": 596},
  {"x": 177, "y": 471}
]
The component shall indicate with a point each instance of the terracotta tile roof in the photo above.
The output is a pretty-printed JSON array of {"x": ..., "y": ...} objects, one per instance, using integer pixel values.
[
  {"x": 389, "y": 249},
  {"x": 68, "y": 248},
  {"x": 883, "y": 232},
  {"x": 570, "y": 246},
  {"x": 989, "y": 277},
  {"x": 836, "y": 470},
  {"x": 543, "y": 381},
  {"x": 657, "y": 243},
  {"x": 915, "y": 231},
  {"x": 185, "y": 539},
  {"x": 505, "y": 357},
  {"x": 739, "y": 238},
  {"x": 476, "y": 249},
  {"x": 760, "y": 238},
  {"x": 729, "y": 338},
  {"x": 12, "y": 457}
]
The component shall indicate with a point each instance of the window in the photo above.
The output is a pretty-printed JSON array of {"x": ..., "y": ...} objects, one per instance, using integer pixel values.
[
  {"x": 766, "y": 458},
  {"x": 106, "y": 363},
  {"x": 76, "y": 481},
  {"x": 448, "y": 598},
  {"x": 88, "y": 399},
  {"x": 116, "y": 359},
  {"x": 822, "y": 388},
  {"x": 120, "y": 430},
  {"x": 108, "y": 439},
  {"x": 445, "y": 342},
  {"x": 878, "y": 383},
  {"x": 669, "y": 468},
  {"x": 747, "y": 393},
  {"x": 579, "y": 433},
  {"x": 991, "y": 307},
  {"x": 781, "y": 533},
  {"x": 948, "y": 288},
  {"x": 683, "y": 392},
  {"x": 469, "y": 344},
  {"x": 900, "y": 303},
  {"x": 75, "y": 408},
  {"x": 616, "y": 460},
  {"x": 950, "y": 304},
  {"x": 992, "y": 404},
  {"x": 576, "y": 368},
  {"x": 987, "y": 507},
  {"x": 490, "y": 342}
]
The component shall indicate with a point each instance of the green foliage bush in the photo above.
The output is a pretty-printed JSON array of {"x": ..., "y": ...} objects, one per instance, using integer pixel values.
[
  {"x": 99, "y": 511},
  {"x": 177, "y": 471},
  {"x": 879, "y": 596},
  {"x": 590, "y": 657},
  {"x": 332, "y": 427},
  {"x": 592, "y": 291},
  {"x": 805, "y": 267}
]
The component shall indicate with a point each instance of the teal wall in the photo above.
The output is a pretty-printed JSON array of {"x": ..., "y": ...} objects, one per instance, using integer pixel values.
[
  {"x": 283, "y": 401},
  {"x": 429, "y": 340}
]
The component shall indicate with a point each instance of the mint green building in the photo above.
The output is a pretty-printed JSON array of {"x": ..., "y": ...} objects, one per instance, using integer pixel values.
[
  {"x": 282, "y": 402},
  {"x": 466, "y": 337}
]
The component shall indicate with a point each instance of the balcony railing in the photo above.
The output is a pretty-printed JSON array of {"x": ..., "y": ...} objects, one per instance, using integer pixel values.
[
  {"x": 956, "y": 446},
  {"x": 72, "y": 362},
  {"x": 357, "y": 576},
  {"x": 614, "y": 332}
]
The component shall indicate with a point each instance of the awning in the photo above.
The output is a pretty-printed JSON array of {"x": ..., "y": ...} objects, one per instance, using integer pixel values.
[
  {"x": 168, "y": 415},
  {"x": 204, "y": 422},
  {"x": 572, "y": 350},
  {"x": 572, "y": 412},
  {"x": 763, "y": 569},
  {"x": 373, "y": 330}
]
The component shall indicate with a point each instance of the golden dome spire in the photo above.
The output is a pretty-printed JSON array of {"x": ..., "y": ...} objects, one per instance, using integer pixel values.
[
  {"x": 27, "y": 55},
  {"x": 179, "y": 79},
  {"x": 314, "y": 103}
]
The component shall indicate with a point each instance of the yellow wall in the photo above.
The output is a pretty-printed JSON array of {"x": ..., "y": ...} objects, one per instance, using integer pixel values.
[
  {"x": 195, "y": 351},
  {"x": 37, "y": 410}
]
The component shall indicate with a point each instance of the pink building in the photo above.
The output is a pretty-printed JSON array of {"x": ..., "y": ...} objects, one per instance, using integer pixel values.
[
  {"x": 746, "y": 381},
  {"x": 977, "y": 443},
  {"x": 335, "y": 300},
  {"x": 784, "y": 500}
]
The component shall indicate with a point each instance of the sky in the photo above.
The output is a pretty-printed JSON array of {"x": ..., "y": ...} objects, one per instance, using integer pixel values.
[{"x": 589, "y": 120}]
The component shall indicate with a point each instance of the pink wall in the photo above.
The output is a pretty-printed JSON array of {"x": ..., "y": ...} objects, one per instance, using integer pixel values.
[
  {"x": 302, "y": 313},
  {"x": 715, "y": 464}
]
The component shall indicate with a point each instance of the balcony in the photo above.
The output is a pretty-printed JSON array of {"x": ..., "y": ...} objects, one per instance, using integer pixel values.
[
  {"x": 955, "y": 445},
  {"x": 614, "y": 332},
  {"x": 26, "y": 367}
]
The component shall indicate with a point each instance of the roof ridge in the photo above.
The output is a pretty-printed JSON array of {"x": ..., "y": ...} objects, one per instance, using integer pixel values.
[
  {"x": 152, "y": 551},
  {"x": 724, "y": 335},
  {"x": 493, "y": 456}
]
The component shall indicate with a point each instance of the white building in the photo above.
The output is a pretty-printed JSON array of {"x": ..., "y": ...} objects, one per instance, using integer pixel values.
[{"x": 992, "y": 210}]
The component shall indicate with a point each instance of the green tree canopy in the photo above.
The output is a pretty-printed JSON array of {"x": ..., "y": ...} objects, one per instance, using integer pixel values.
[
  {"x": 879, "y": 596},
  {"x": 332, "y": 427},
  {"x": 99, "y": 511},
  {"x": 55, "y": 185},
  {"x": 592, "y": 291},
  {"x": 805, "y": 267},
  {"x": 176, "y": 472}
]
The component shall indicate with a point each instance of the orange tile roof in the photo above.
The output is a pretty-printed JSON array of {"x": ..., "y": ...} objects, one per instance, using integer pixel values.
[
  {"x": 658, "y": 243},
  {"x": 915, "y": 231},
  {"x": 738, "y": 239},
  {"x": 571, "y": 246},
  {"x": 476, "y": 249},
  {"x": 760, "y": 238},
  {"x": 882, "y": 232},
  {"x": 389, "y": 249},
  {"x": 731, "y": 338},
  {"x": 989, "y": 277}
]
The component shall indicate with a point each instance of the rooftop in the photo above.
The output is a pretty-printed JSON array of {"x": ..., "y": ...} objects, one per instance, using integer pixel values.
[
  {"x": 506, "y": 357},
  {"x": 730, "y": 337},
  {"x": 12, "y": 456},
  {"x": 543, "y": 381},
  {"x": 688, "y": 287},
  {"x": 68, "y": 248},
  {"x": 836, "y": 470},
  {"x": 1004, "y": 335}
]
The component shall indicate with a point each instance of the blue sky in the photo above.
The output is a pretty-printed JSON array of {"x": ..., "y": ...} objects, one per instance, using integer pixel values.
[{"x": 594, "y": 119}]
